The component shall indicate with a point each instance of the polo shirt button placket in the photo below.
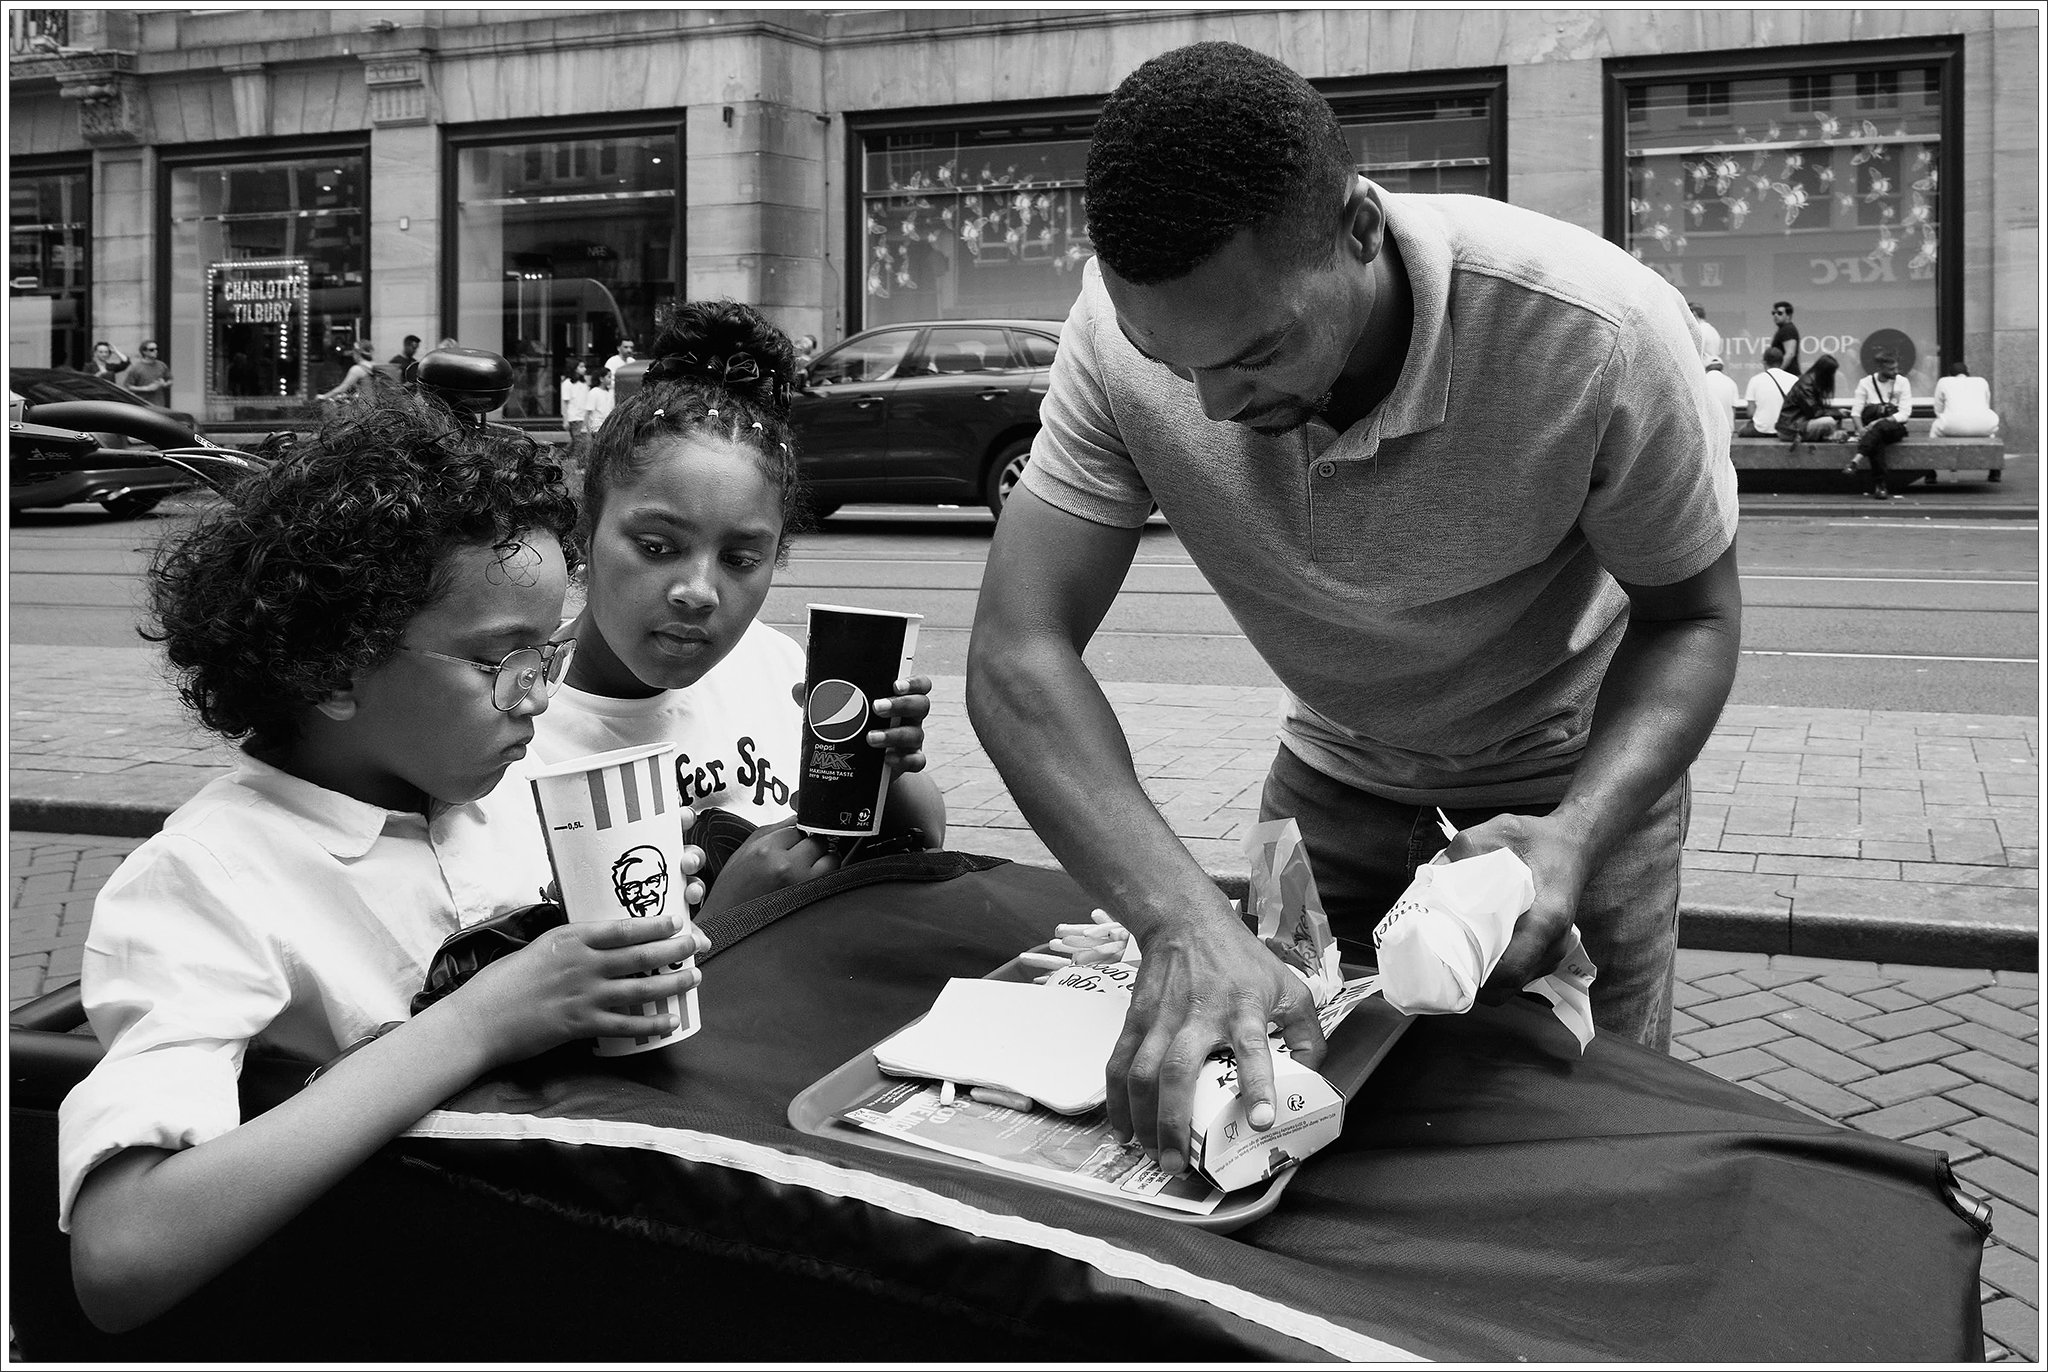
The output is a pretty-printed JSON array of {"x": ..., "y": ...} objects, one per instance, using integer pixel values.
[{"x": 1326, "y": 469}]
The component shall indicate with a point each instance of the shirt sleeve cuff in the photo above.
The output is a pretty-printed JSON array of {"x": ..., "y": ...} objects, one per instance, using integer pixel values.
[
  {"x": 166, "y": 1098},
  {"x": 1096, "y": 503}
]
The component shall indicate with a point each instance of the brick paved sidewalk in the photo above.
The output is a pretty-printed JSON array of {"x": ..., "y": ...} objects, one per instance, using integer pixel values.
[{"x": 1946, "y": 1058}]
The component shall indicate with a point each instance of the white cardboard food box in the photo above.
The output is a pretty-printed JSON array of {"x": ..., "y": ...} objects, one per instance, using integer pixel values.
[{"x": 1308, "y": 1113}]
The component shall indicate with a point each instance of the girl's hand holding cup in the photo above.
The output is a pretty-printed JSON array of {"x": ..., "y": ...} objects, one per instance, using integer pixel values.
[
  {"x": 904, "y": 737},
  {"x": 905, "y": 711}
]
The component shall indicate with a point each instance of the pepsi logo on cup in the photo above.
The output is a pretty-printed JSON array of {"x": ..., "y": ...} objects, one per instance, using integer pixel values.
[
  {"x": 838, "y": 711},
  {"x": 853, "y": 658}
]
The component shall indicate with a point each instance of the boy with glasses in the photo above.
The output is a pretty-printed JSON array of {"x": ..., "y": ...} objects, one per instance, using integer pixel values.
[{"x": 375, "y": 617}]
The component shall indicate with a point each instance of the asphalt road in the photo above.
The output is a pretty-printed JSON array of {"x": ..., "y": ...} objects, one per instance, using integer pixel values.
[{"x": 1840, "y": 612}]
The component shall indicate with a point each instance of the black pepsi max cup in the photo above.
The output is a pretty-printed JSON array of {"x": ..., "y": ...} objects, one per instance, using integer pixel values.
[{"x": 854, "y": 658}]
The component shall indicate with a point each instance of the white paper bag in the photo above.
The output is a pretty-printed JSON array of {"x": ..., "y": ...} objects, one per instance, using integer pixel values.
[{"x": 1447, "y": 932}]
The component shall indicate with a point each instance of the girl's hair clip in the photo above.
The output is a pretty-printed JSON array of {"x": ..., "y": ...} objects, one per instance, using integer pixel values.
[
  {"x": 659, "y": 413},
  {"x": 711, "y": 413},
  {"x": 758, "y": 428}
]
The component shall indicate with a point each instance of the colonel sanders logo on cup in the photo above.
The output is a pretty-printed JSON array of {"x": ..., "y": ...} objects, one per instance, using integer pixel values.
[
  {"x": 838, "y": 711},
  {"x": 640, "y": 881}
]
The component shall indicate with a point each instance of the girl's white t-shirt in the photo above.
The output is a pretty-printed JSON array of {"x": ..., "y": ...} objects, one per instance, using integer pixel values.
[{"x": 738, "y": 731}]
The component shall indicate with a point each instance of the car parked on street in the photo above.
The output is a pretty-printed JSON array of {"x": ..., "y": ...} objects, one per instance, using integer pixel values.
[
  {"x": 934, "y": 413},
  {"x": 118, "y": 476}
]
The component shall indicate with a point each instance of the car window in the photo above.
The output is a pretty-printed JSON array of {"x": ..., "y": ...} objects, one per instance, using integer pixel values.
[
  {"x": 41, "y": 387},
  {"x": 1035, "y": 349},
  {"x": 960, "y": 350},
  {"x": 871, "y": 358}
]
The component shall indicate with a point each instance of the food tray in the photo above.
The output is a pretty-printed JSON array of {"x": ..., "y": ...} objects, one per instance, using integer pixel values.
[{"x": 1355, "y": 1049}]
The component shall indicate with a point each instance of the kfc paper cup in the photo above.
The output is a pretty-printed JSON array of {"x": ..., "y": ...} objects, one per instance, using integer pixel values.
[
  {"x": 853, "y": 658},
  {"x": 615, "y": 839}
]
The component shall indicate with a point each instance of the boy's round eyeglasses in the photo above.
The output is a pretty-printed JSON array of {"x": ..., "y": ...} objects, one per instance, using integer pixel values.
[{"x": 516, "y": 674}]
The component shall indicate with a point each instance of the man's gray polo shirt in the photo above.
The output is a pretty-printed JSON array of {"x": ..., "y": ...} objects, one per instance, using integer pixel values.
[{"x": 1435, "y": 587}]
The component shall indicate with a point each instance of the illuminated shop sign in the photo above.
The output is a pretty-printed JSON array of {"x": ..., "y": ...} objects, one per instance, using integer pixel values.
[{"x": 257, "y": 330}]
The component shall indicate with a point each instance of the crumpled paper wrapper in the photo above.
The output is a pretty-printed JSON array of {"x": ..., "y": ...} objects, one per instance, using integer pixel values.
[
  {"x": 1446, "y": 934},
  {"x": 1283, "y": 909}
]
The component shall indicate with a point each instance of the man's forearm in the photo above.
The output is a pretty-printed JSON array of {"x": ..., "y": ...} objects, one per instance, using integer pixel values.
[
  {"x": 1044, "y": 720},
  {"x": 1662, "y": 693}
]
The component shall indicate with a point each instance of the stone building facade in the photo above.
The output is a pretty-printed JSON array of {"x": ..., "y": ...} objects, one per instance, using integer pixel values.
[{"x": 259, "y": 189}]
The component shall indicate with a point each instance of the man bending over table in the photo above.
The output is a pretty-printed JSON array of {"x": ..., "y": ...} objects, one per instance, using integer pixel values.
[{"x": 1453, "y": 467}]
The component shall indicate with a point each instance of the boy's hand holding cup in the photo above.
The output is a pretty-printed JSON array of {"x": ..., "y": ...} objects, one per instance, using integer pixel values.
[
  {"x": 606, "y": 980},
  {"x": 614, "y": 825}
]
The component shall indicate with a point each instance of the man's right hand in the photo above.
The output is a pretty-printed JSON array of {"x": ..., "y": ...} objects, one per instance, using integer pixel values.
[{"x": 1201, "y": 988}]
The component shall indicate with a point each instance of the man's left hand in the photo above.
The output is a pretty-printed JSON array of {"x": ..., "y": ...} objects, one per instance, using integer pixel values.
[{"x": 1560, "y": 866}]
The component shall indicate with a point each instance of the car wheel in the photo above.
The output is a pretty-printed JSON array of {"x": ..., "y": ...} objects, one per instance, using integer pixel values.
[
  {"x": 1005, "y": 470},
  {"x": 133, "y": 504}
]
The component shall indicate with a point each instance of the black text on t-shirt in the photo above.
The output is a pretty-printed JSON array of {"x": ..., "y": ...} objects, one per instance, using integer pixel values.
[{"x": 697, "y": 781}]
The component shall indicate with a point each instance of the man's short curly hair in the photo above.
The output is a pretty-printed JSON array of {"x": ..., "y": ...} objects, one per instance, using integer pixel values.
[
  {"x": 1203, "y": 142},
  {"x": 306, "y": 574}
]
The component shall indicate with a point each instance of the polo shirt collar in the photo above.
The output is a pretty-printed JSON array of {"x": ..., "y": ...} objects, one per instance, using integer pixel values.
[
  {"x": 1421, "y": 396},
  {"x": 343, "y": 825}
]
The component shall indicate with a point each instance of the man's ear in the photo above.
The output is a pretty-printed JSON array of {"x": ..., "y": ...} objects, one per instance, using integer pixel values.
[
  {"x": 1365, "y": 221},
  {"x": 338, "y": 705}
]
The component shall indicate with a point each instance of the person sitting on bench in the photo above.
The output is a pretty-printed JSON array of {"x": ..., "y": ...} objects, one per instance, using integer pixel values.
[
  {"x": 1809, "y": 410},
  {"x": 1880, "y": 399},
  {"x": 1962, "y": 406},
  {"x": 1766, "y": 395}
]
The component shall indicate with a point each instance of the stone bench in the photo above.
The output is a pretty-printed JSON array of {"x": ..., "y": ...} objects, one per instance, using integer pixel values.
[{"x": 1915, "y": 453}]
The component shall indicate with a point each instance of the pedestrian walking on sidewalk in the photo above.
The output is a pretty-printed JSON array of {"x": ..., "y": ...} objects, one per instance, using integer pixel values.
[
  {"x": 149, "y": 376},
  {"x": 1785, "y": 334},
  {"x": 107, "y": 361},
  {"x": 1445, "y": 585},
  {"x": 406, "y": 359}
]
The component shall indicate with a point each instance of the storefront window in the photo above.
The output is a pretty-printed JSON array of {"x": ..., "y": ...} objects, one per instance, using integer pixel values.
[
  {"x": 967, "y": 222},
  {"x": 1819, "y": 187},
  {"x": 269, "y": 283},
  {"x": 563, "y": 248},
  {"x": 49, "y": 287},
  {"x": 990, "y": 220},
  {"x": 1434, "y": 144}
]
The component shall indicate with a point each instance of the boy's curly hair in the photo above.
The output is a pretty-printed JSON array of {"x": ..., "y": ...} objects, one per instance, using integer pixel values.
[
  {"x": 1203, "y": 142},
  {"x": 307, "y": 573},
  {"x": 718, "y": 367}
]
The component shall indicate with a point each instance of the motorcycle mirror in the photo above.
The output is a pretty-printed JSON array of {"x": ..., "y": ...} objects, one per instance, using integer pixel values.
[{"x": 469, "y": 379}]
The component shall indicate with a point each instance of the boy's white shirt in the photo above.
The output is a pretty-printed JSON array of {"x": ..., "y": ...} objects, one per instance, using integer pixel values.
[{"x": 271, "y": 908}]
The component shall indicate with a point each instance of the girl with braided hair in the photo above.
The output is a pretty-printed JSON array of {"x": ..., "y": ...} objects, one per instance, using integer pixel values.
[{"x": 689, "y": 503}]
